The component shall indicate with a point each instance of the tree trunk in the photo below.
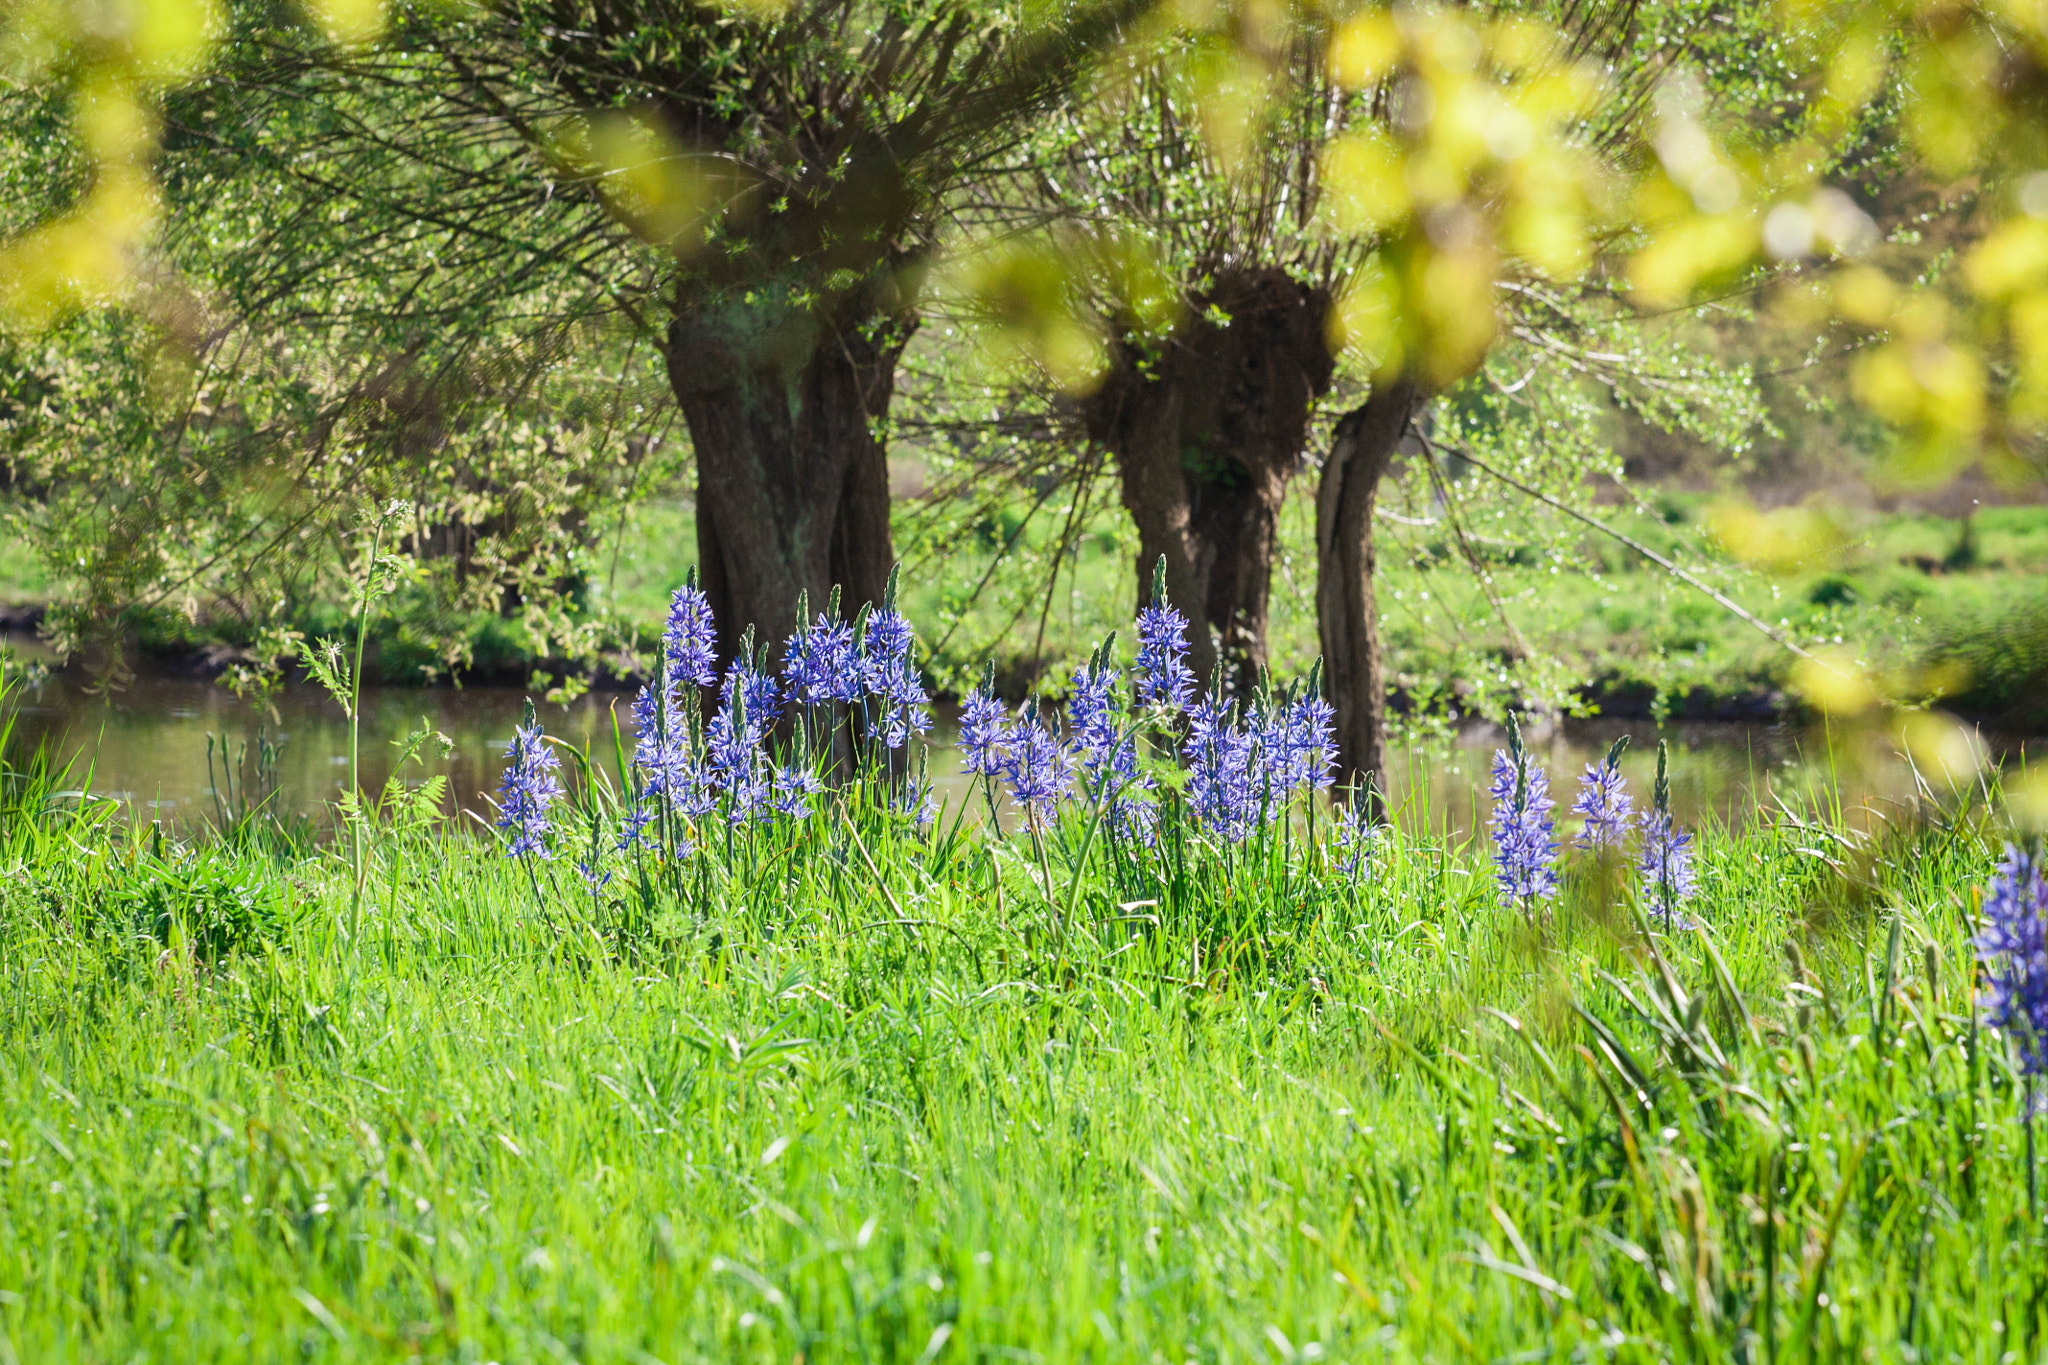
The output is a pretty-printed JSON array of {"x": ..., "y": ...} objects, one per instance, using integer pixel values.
[
  {"x": 1205, "y": 436},
  {"x": 792, "y": 481},
  {"x": 1347, "y": 618}
]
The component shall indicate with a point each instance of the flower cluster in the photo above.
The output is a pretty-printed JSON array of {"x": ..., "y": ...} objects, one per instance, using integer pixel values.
[
  {"x": 528, "y": 788},
  {"x": 821, "y": 665},
  {"x": 982, "y": 734},
  {"x": 689, "y": 642},
  {"x": 891, "y": 677},
  {"x": 1525, "y": 845},
  {"x": 1524, "y": 837},
  {"x": 1666, "y": 866},
  {"x": 2013, "y": 946},
  {"x": 1356, "y": 837},
  {"x": 1605, "y": 803},
  {"x": 1164, "y": 678},
  {"x": 1037, "y": 768},
  {"x": 687, "y": 769}
]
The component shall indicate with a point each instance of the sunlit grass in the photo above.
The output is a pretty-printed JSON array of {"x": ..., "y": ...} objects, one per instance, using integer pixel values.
[{"x": 812, "y": 1112}]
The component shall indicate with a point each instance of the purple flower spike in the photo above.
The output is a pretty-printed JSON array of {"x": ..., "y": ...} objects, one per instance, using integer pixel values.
[
  {"x": 670, "y": 770},
  {"x": 2014, "y": 950},
  {"x": 1355, "y": 839},
  {"x": 1091, "y": 716},
  {"x": 820, "y": 665},
  {"x": 690, "y": 641},
  {"x": 529, "y": 787},
  {"x": 1164, "y": 678},
  {"x": 734, "y": 738},
  {"x": 1524, "y": 839},
  {"x": 1605, "y": 803},
  {"x": 1222, "y": 789},
  {"x": 1666, "y": 865},
  {"x": 1038, "y": 769},
  {"x": 1303, "y": 750},
  {"x": 983, "y": 736},
  {"x": 794, "y": 787},
  {"x": 892, "y": 678}
]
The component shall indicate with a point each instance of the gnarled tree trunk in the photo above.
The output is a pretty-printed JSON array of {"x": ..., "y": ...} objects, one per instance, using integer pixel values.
[
  {"x": 1205, "y": 437},
  {"x": 792, "y": 482},
  {"x": 1347, "y": 617}
]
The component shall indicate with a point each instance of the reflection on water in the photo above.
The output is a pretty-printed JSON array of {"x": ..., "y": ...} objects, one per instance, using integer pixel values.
[
  {"x": 149, "y": 748},
  {"x": 149, "y": 745}
]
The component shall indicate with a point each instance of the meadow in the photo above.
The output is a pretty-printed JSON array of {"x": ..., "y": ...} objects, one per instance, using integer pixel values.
[{"x": 842, "y": 1078}]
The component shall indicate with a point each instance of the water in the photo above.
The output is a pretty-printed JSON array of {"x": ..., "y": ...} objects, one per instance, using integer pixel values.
[{"x": 149, "y": 748}]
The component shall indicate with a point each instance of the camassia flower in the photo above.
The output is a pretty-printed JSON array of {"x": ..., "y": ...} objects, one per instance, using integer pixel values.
[
  {"x": 892, "y": 678},
  {"x": 2013, "y": 946},
  {"x": 1666, "y": 864},
  {"x": 671, "y": 771},
  {"x": 1605, "y": 803},
  {"x": 1355, "y": 837},
  {"x": 1164, "y": 678},
  {"x": 528, "y": 788},
  {"x": 1299, "y": 746},
  {"x": 983, "y": 735},
  {"x": 1037, "y": 767},
  {"x": 821, "y": 665},
  {"x": 690, "y": 640},
  {"x": 1092, "y": 718},
  {"x": 739, "y": 768},
  {"x": 1221, "y": 786},
  {"x": 794, "y": 786},
  {"x": 1524, "y": 839},
  {"x": 1108, "y": 755}
]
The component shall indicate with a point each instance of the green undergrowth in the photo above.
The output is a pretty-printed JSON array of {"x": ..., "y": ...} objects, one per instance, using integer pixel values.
[{"x": 876, "y": 1098}]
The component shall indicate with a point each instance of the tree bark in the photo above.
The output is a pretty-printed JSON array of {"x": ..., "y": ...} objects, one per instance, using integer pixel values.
[
  {"x": 1347, "y": 617},
  {"x": 1206, "y": 436},
  {"x": 792, "y": 480}
]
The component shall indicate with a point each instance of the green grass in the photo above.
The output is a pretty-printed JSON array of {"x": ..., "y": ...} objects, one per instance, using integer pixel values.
[
  {"x": 1602, "y": 626},
  {"x": 848, "y": 1094}
]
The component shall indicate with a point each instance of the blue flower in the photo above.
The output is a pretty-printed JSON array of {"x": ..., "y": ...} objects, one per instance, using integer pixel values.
[
  {"x": 820, "y": 665},
  {"x": 1605, "y": 803},
  {"x": 1666, "y": 865},
  {"x": 1524, "y": 839},
  {"x": 2013, "y": 947},
  {"x": 984, "y": 738},
  {"x": 794, "y": 786},
  {"x": 1134, "y": 818},
  {"x": 1356, "y": 837},
  {"x": 690, "y": 641},
  {"x": 1164, "y": 678},
  {"x": 1300, "y": 746},
  {"x": 670, "y": 768},
  {"x": 1222, "y": 789},
  {"x": 1037, "y": 767},
  {"x": 637, "y": 821},
  {"x": 734, "y": 738},
  {"x": 892, "y": 678},
  {"x": 529, "y": 786},
  {"x": 1094, "y": 728}
]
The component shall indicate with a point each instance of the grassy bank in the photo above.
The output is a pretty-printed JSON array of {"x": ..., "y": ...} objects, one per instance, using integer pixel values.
[
  {"x": 847, "y": 1092},
  {"x": 1605, "y": 628}
]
